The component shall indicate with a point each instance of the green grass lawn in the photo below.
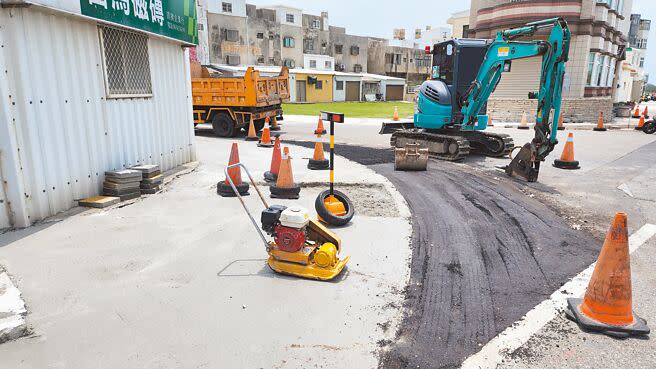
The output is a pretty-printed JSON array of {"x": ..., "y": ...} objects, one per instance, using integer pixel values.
[{"x": 353, "y": 109}]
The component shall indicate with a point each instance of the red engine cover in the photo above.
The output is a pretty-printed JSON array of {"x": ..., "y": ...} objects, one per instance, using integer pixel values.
[{"x": 289, "y": 239}]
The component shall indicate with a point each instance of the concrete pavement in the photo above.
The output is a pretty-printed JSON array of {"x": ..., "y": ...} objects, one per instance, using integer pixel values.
[{"x": 179, "y": 279}]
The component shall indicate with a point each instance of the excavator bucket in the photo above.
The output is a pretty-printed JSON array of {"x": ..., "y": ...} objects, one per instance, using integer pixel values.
[
  {"x": 411, "y": 157},
  {"x": 525, "y": 164}
]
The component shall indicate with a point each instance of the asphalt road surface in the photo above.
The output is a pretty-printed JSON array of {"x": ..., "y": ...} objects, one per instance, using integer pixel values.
[{"x": 483, "y": 255}]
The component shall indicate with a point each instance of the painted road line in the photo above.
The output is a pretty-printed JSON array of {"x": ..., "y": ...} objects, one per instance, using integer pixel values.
[{"x": 498, "y": 349}]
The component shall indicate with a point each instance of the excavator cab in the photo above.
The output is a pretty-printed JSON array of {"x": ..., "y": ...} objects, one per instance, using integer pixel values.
[{"x": 455, "y": 65}]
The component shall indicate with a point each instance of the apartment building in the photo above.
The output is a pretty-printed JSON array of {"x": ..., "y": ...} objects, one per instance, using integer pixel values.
[
  {"x": 459, "y": 22},
  {"x": 409, "y": 63},
  {"x": 638, "y": 36},
  {"x": 243, "y": 34},
  {"x": 349, "y": 51},
  {"x": 599, "y": 31}
]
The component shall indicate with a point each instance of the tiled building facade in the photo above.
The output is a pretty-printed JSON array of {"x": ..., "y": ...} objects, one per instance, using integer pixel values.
[{"x": 599, "y": 31}]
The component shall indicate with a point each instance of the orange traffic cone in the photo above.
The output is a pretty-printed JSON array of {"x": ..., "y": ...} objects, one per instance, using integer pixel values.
[
  {"x": 600, "y": 123},
  {"x": 395, "y": 117},
  {"x": 489, "y": 122},
  {"x": 561, "y": 126},
  {"x": 252, "y": 136},
  {"x": 524, "y": 123},
  {"x": 276, "y": 157},
  {"x": 273, "y": 124},
  {"x": 320, "y": 130},
  {"x": 265, "y": 141},
  {"x": 223, "y": 188},
  {"x": 285, "y": 188},
  {"x": 636, "y": 113},
  {"x": 318, "y": 160},
  {"x": 607, "y": 304},
  {"x": 566, "y": 160},
  {"x": 641, "y": 123},
  {"x": 645, "y": 113}
]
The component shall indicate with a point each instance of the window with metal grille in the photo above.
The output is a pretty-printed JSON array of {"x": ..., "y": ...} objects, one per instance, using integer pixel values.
[
  {"x": 339, "y": 86},
  {"x": 289, "y": 18},
  {"x": 357, "y": 68},
  {"x": 355, "y": 50},
  {"x": 319, "y": 85},
  {"x": 313, "y": 63},
  {"x": 338, "y": 49},
  {"x": 232, "y": 35},
  {"x": 126, "y": 63},
  {"x": 226, "y": 7}
]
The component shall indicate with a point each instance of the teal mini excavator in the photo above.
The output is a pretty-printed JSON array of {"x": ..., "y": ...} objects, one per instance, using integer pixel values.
[{"x": 450, "y": 119}]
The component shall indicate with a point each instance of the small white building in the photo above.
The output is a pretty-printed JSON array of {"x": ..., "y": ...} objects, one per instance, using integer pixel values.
[
  {"x": 347, "y": 87},
  {"x": 385, "y": 88},
  {"x": 86, "y": 90},
  {"x": 318, "y": 62}
]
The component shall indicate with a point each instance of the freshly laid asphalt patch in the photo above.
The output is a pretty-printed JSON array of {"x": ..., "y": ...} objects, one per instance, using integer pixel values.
[{"x": 483, "y": 255}]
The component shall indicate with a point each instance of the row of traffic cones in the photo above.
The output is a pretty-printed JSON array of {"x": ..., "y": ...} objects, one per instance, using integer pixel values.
[
  {"x": 524, "y": 123},
  {"x": 279, "y": 173},
  {"x": 637, "y": 114},
  {"x": 272, "y": 126}
]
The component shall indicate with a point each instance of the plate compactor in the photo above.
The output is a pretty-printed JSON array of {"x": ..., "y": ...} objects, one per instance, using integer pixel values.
[{"x": 301, "y": 247}]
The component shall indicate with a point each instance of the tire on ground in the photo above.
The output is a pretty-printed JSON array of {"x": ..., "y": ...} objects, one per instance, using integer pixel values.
[
  {"x": 329, "y": 217},
  {"x": 223, "y": 125},
  {"x": 649, "y": 127}
]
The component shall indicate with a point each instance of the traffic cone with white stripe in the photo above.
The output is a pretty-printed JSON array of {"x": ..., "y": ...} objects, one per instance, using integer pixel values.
[
  {"x": 566, "y": 160},
  {"x": 285, "y": 188},
  {"x": 607, "y": 306}
]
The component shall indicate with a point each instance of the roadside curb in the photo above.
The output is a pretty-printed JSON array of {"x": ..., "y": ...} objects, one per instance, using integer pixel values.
[{"x": 12, "y": 310}]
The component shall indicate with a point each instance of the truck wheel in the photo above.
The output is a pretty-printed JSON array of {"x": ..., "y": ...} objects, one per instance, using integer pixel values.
[
  {"x": 223, "y": 125},
  {"x": 649, "y": 127}
]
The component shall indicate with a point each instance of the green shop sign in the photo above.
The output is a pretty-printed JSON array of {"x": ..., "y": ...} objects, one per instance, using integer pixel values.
[{"x": 171, "y": 18}]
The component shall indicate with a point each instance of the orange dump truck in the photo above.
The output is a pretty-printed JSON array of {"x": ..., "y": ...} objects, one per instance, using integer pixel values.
[{"x": 229, "y": 103}]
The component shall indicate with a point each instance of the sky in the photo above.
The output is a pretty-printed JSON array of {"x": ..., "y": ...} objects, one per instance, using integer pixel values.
[{"x": 378, "y": 18}]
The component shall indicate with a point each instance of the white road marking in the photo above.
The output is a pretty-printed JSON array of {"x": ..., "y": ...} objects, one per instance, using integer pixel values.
[
  {"x": 626, "y": 189},
  {"x": 495, "y": 351}
]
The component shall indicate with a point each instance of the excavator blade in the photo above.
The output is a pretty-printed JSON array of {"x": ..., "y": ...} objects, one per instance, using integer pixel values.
[
  {"x": 525, "y": 164},
  {"x": 391, "y": 127}
]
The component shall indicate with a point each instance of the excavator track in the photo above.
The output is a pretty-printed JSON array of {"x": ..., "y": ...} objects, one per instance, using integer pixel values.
[
  {"x": 441, "y": 146},
  {"x": 489, "y": 144}
]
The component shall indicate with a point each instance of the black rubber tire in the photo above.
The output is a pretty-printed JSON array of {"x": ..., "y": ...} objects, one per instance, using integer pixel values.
[
  {"x": 270, "y": 177},
  {"x": 566, "y": 164},
  {"x": 223, "y": 125},
  {"x": 649, "y": 127},
  {"x": 285, "y": 193},
  {"x": 318, "y": 164},
  {"x": 523, "y": 127},
  {"x": 599, "y": 129},
  {"x": 225, "y": 190},
  {"x": 329, "y": 217}
]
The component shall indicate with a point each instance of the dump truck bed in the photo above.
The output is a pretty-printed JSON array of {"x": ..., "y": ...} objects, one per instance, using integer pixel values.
[{"x": 251, "y": 90}]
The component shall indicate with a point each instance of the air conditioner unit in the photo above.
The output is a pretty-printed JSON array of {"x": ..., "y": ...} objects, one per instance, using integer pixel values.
[{"x": 312, "y": 80}]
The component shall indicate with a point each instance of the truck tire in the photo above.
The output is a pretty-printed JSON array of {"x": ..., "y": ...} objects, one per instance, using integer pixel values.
[{"x": 223, "y": 125}]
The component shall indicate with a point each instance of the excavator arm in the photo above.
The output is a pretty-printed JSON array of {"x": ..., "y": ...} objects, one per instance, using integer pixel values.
[{"x": 501, "y": 52}]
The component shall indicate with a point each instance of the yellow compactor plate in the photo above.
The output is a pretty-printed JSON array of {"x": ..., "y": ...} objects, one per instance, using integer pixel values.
[{"x": 307, "y": 271}]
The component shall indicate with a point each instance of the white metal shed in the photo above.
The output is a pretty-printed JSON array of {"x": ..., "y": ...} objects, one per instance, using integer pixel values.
[{"x": 71, "y": 110}]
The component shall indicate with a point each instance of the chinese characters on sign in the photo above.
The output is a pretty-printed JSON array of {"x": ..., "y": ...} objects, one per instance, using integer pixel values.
[{"x": 171, "y": 18}]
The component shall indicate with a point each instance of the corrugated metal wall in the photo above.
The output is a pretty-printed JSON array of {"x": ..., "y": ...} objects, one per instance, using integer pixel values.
[
  {"x": 523, "y": 78},
  {"x": 62, "y": 132}
]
